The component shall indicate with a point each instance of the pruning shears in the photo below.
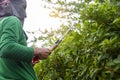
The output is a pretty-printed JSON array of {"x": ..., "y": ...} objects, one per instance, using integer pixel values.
[
  {"x": 59, "y": 41},
  {"x": 36, "y": 59}
]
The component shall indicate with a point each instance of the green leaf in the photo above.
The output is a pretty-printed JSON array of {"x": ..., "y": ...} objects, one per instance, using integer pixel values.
[{"x": 117, "y": 60}]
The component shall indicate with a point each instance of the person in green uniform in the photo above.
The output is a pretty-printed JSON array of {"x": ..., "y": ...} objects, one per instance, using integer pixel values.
[{"x": 15, "y": 57}]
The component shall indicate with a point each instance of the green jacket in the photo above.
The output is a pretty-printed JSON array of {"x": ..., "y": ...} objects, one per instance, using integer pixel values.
[{"x": 15, "y": 56}]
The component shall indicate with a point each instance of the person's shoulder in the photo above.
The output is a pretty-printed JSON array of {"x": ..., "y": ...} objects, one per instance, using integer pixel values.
[{"x": 11, "y": 18}]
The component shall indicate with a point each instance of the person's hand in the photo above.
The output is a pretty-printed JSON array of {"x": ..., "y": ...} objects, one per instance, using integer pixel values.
[{"x": 42, "y": 53}]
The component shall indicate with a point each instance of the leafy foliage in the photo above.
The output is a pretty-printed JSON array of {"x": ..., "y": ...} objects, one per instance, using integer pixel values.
[{"x": 91, "y": 50}]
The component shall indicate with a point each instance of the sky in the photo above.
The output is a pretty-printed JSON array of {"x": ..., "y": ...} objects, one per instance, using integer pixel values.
[{"x": 38, "y": 17}]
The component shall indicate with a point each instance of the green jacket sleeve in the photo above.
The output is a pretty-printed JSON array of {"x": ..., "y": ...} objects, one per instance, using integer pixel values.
[{"x": 10, "y": 45}]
